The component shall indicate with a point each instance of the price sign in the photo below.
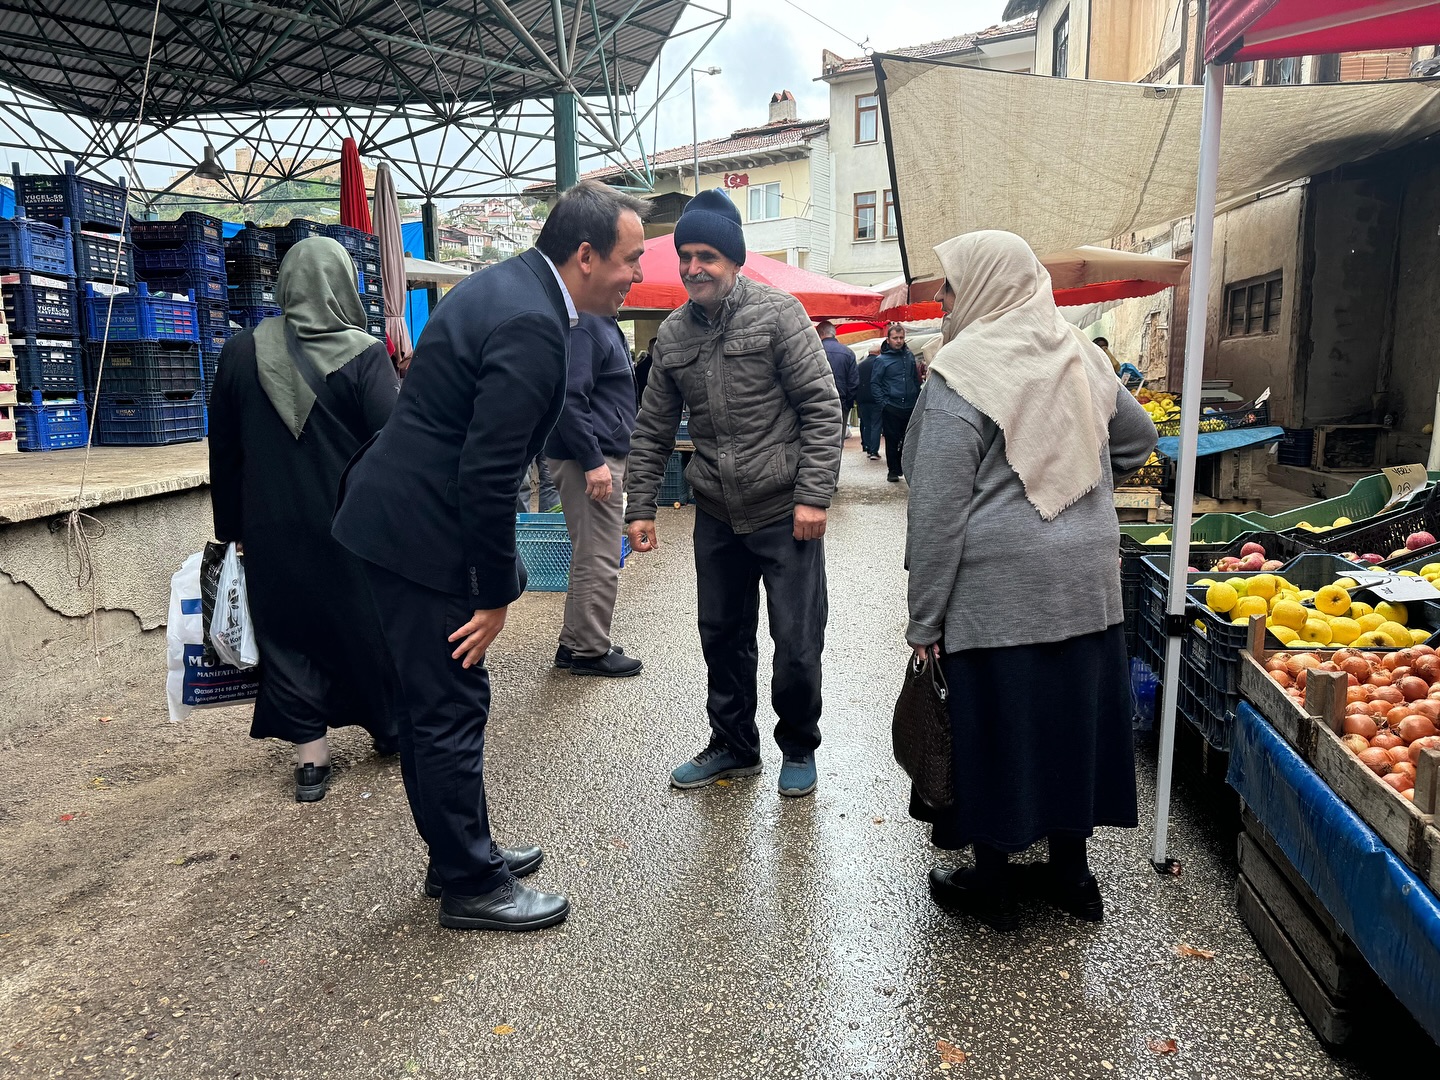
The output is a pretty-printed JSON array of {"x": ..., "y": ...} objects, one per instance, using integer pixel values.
[
  {"x": 1393, "y": 587},
  {"x": 1405, "y": 480}
]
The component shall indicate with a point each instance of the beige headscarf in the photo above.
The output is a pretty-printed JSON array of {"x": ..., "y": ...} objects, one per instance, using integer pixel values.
[
  {"x": 323, "y": 320},
  {"x": 1009, "y": 353}
]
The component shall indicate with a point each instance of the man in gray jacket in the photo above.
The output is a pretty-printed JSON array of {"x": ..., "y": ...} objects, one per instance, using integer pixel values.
[{"x": 765, "y": 421}]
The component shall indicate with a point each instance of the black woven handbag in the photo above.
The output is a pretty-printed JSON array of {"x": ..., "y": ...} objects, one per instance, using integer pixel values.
[{"x": 921, "y": 733}]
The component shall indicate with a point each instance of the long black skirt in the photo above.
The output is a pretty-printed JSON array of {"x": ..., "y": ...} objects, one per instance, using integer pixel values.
[{"x": 1042, "y": 743}]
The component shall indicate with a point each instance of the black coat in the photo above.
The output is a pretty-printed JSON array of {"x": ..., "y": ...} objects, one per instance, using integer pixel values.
[
  {"x": 599, "y": 414},
  {"x": 432, "y": 498},
  {"x": 862, "y": 387},
  {"x": 319, "y": 638}
]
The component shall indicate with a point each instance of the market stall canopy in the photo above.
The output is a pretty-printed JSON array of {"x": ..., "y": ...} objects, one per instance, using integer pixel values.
[
  {"x": 1095, "y": 160},
  {"x": 822, "y": 297},
  {"x": 424, "y": 272},
  {"x": 1275, "y": 29}
]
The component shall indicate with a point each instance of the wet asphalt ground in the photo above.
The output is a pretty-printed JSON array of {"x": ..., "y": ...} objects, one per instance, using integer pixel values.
[{"x": 171, "y": 912}]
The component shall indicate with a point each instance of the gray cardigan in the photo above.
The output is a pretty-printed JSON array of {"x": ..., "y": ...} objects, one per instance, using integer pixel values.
[{"x": 986, "y": 571}]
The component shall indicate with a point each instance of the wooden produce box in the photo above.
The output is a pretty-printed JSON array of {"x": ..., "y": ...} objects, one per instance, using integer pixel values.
[
  {"x": 1231, "y": 474},
  {"x": 1408, "y": 827},
  {"x": 9, "y": 385},
  {"x": 1138, "y": 505},
  {"x": 8, "y": 441},
  {"x": 1349, "y": 446}
]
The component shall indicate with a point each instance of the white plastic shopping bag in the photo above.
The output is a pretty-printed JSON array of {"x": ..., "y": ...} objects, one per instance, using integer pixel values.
[
  {"x": 193, "y": 682},
  {"x": 231, "y": 631}
]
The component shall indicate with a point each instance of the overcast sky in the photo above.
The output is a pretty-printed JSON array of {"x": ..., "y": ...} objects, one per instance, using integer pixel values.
[{"x": 769, "y": 45}]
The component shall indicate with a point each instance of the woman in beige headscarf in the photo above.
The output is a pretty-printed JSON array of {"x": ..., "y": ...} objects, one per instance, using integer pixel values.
[
  {"x": 1014, "y": 589},
  {"x": 293, "y": 400}
]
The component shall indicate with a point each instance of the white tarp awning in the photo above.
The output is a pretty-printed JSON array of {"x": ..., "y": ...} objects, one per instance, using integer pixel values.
[{"x": 1064, "y": 162}]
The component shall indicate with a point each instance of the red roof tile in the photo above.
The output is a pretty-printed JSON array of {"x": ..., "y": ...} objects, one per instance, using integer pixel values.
[{"x": 950, "y": 46}]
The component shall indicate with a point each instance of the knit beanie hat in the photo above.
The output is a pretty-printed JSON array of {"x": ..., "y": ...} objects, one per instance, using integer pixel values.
[{"x": 711, "y": 218}]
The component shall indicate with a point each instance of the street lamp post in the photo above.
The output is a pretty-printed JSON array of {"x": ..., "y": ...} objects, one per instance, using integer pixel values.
[{"x": 694, "y": 123}]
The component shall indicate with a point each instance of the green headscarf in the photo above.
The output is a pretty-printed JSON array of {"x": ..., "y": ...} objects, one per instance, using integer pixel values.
[{"x": 323, "y": 323}]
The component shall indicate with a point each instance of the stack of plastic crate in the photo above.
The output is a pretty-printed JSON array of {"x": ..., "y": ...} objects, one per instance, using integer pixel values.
[
  {"x": 364, "y": 250},
  {"x": 42, "y": 313},
  {"x": 185, "y": 259},
  {"x": 252, "y": 259}
]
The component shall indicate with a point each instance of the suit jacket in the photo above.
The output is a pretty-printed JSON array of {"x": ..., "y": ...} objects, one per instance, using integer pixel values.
[
  {"x": 599, "y": 414},
  {"x": 432, "y": 496}
]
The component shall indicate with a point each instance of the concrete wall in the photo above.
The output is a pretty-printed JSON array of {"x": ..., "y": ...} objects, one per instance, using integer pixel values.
[
  {"x": 1130, "y": 38},
  {"x": 47, "y": 658},
  {"x": 1415, "y": 363}
]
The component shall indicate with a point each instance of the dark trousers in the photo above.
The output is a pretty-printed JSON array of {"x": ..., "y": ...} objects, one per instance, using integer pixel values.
[
  {"x": 893, "y": 422},
  {"x": 441, "y": 708},
  {"x": 869, "y": 427},
  {"x": 729, "y": 568}
]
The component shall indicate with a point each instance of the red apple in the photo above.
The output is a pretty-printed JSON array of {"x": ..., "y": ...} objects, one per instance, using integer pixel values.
[
  {"x": 1272, "y": 564},
  {"x": 1415, "y": 541},
  {"x": 1253, "y": 548},
  {"x": 1252, "y": 562},
  {"x": 1372, "y": 558}
]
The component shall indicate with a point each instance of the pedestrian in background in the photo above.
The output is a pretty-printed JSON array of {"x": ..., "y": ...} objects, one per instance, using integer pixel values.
[
  {"x": 642, "y": 371},
  {"x": 537, "y": 482},
  {"x": 869, "y": 412},
  {"x": 765, "y": 421},
  {"x": 586, "y": 453},
  {"x": 843, "y": 368},
  {"x": 1017, "y": 442},
  {"x": 895, "y": 386},
  {"x": 430, "y": 506},
  {"x": 294, "y": 398}
]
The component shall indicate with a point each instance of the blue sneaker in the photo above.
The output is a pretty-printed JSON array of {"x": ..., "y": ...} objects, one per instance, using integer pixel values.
[
  {"x": 797, "y": 776},
  {"x": 715, "y": 762}
]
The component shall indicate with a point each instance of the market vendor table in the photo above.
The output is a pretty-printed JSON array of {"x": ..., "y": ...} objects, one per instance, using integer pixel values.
[
  {"x": 34, "y": 486},
  {"x": 1379, "y": 902}
]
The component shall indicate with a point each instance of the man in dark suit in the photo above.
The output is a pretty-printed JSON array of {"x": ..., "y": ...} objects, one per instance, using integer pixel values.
[{"x": 430, "y": 506}]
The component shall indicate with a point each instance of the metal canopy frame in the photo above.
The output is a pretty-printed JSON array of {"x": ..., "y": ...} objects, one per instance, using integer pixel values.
[{"x": 461, "y": 97}]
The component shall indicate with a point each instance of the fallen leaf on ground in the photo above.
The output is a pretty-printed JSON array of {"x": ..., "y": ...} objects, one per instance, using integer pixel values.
[
  {"x": 877, "y": 821},
  {"x": 1163, "y": 1046},
  {"x": 949, "y": 1052},
  {"x": 502, "y": 1029},
  {"x": 1194, "y": 953},
  {"x": 722, "y": 783}
]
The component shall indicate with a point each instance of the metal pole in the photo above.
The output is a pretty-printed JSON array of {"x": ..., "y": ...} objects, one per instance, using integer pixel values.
[
  {"x": 567, "y": 146},
  {"x": 430, "y": 234},
  {"x": 694, "y": 131},
  {"x": 1201, "y": 249}
]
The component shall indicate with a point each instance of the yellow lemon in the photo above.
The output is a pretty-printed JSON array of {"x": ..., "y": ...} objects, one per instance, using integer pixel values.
[
  {"x": 1221, "y": 598},
  {"x": 1315, "y": 631},
  {"x": 1304, "y": 525},
  {"x": 1247, "y": 606},
  {"x": 1156, "y": 541},
  {"x": 1340, "y": 521},
  {"x": 1289, "y": 613},
  {"x": 1419, "y": 637},
  {"x": 1284, "y": 634},
  {"x": 1373, "y": 640},
  {"x": 1395, "y": 613},
  {"x": 1395, "y": 632},
  {"x": 1359, "y": 607},
  {"x": 1262, "y": 586},
  {"x": 1344, "y": 631},
  {"x": 1239, "y": 584},
  {"x": 1332, "y": 600},
  {"x": 1430, "y": 569},
  {"x": 1307, "y": 594},
  {"x": 1206, "y": 581},
  {"x": 1350, "y": 583},
  {"x": 1371, "y": 622}
]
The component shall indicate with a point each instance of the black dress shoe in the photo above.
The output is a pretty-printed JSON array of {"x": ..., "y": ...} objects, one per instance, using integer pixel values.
[
  {"x": 311, "y": 782},
  {"x": 522, "y": 862},
  {"x": 893, "y": 479},
  {"x": 1080, "y": 899},
  {"x": 564, "y": 655},
  {"x": 512, "y": 906},
  {"x": 958, "y": 890},
  {"x": 386, "y": 747},
  {"x": 613, "y": 665}
]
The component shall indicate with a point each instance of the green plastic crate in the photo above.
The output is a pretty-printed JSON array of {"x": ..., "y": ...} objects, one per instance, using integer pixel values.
[
  {"x": 1362, "y": 501},
  {"x": 1206, "y": 529}
]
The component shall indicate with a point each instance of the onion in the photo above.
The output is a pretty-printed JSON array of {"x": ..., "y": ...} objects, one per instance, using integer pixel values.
[
  {"x": 1426, "y": 708},
  {"x": 1429, "y": 742},
  {"x": 1328, "y": 665},
  {"x": 1301, "y": 677},
  {"x": 1387, "y": 739},
  {"x": 1376, "y": 760},
  {"x": 1373, "y": 659},
  {"x": 1283, "y": 678},
  {"x": 1423, "y": 650},
  {"x": 1351, "y": 680},
  {"x": 1355, "y": 665},
  {"x": 1379, "y": 709},
  {"x": 1400, "y": 674},
  {"x": 1356, "y": 743},
  {"x": 1364, "y": 726},
  {"x": 1276, "y": 663},
  {"x": 1397, "y": 755},
  {"x": 1398, "y": 781},
  {"x": 1341, "y": 655},
  {"x": 1391, "y": 694},
  {"x": 1395, "y": 715},
  {"x": 1301, "y": 661},
  {"x": 1405, "y": 767},
  {"x": 1379, "y": 678},
  {"x": 1428, "y": 667},
  {"x": 1390, "y": 661},
  {"x": 1408, "y": 793},
  {"x": 1354, "y": 696},
  {"x": 1415, "y": 727}
]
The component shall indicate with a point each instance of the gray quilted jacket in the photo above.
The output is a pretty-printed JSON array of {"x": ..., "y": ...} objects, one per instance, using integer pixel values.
[{"x": 764, "y": 413}]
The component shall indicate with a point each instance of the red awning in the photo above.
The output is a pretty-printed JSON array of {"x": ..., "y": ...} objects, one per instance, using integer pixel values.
[
  {"x": 354, "y": 204},
  {"x": 822, "y": 297},
  {"x": 1271, "y": 29}
]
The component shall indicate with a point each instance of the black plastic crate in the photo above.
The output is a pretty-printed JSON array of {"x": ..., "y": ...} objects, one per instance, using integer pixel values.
[
  {"x": 244, "y": 269},
  {"x": 1254, "y": 414},
  {"x": 1150, "y": 475},
  {"x": 210, "y": 364},
  {"x": 253, "y": 242},
  {"x": 250, "y": 294},
  {"x": 253, "y": 315},
  {"x": 355, "y": 241},
  {"x": 55, "y": 197},
  {"x": 48, "y": 365},
  {"x": 144, "y": 367},
  {"x": 374, "y": 306},
  {"x": 1279, "y": 546},
  {"x": 96, "y": 255},
  {"x": 287, "y": 236},
  {"x": 37, "y": 306},
  {"x": 375, "y": 327},
  {"x": 368, "y": 285},
  {"x": 189, "y": 258},
  {"x": 369, "y": 265},
  {"x": 1297, "y": 447},
  {"x": 1385, "y": 533},
  {"x": 149, "y": 419},
  {"x": 36, "y": 245},
  {"x": 674, "y": 488},
  {"x": 205, "y": 284},
  {"x": 189, "y": 227}
]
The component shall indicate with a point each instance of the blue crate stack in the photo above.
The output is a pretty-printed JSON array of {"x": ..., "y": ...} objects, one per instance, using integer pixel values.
[
  {"x": 252, "y": 261},
  {"x": 364, "y": 250},
  {"x": 43, "y": 307}
]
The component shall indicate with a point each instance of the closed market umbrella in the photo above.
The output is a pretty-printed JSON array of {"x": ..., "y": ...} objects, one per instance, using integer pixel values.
[
  {"x": 354, "y": 207},
  {"x": 392, "y": 265}
]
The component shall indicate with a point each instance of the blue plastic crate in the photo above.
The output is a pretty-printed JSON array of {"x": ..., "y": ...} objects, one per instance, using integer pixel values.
[
  {"x": 376, "y": 327},
  {"x": 287, "y": 236},
  {"x": 149, "y": 419},
  {"x": 49, "y": 365},
  {"x": 55, "y": 197},
  {"x": 252, "y": 316},
  {"x": 97, "y": 253},
  {"x": 194, "y": 257},
  {"x": 253, "y": 242},
  {"x": 248, "y": 294},
  {"x": 355, "y": 241},
  {"x": 138, "y": 316},
  {"x": 674, "y": 488},
  {"x": 35, "y": 245},
  {"x": 204, "y": 284},
  {"x": 191, "y": 226},
  {"x": 51, "y": 427},
  {"x": 37, "y": 306},
  {"x": 369, "y": 265},
  {"x": 544, "y": 546}
]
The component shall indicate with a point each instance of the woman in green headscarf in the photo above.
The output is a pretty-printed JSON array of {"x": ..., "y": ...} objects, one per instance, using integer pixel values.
[{"x": 293, "y": 400}]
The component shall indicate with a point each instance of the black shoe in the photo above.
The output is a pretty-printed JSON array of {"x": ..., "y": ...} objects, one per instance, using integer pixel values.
[
  {"x": 613, "y": 665},
  {"x": 564, "y": 656},
  {"x": 386, "y": 747},
  {"x": 522, "y": 862},
  {"x": 311, "y": 782},
  {"x": 958, "y": 890},
  {"x": 893, "y": 479},
  {"x": 872, "y": 455},
  {"x": 512, "y": 906},
  {"x": 1080, "y": 899}
]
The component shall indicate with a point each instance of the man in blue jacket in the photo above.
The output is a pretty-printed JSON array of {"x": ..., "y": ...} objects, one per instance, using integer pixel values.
[
  {"x": 586, "y": 453},
  {"x": 845, "y": 370},
  {"x": 895, "y": 387},
  {"x": 429, "y": 504}
]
